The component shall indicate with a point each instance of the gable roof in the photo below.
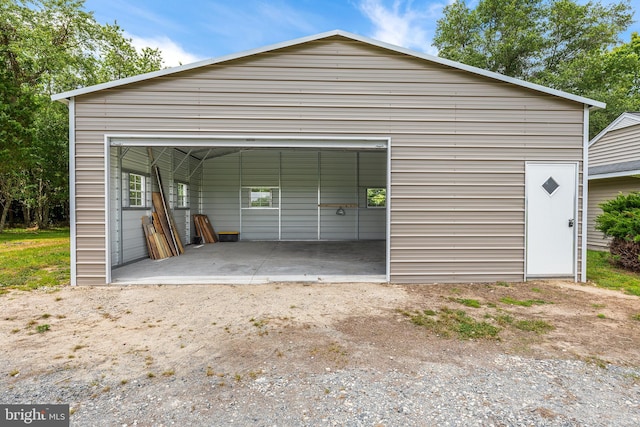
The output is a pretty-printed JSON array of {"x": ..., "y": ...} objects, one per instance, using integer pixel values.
[
  {"x": 622, "y": 121},
  {"x": 619, "y": 169},
  {"x": 442, "y": 61}
]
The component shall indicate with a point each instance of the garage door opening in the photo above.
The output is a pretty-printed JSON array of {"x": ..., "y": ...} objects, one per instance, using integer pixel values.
[{"x": 304, "y": 209}]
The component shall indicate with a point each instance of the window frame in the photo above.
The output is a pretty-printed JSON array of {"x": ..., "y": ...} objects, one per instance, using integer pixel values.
[
  {"x": 141, "y": 192},
  {"x": 182, "y": 201},
  {"x": 368, "y": 198},
  {"x": 260, "y": 190}
]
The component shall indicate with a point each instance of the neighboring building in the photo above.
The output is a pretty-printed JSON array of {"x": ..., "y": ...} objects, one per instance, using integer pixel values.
[
  {"x": 483, "y": 173},
  {"x": 614, "y": 168}
]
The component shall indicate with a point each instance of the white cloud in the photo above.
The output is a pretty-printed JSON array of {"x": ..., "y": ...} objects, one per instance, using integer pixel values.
[
  {"x": 404, "y": 23},
  {"x": 172, "y": 53}
]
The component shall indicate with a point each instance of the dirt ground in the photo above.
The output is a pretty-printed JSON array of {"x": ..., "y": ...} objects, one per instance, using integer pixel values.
[{"x": 235, "y": 331}]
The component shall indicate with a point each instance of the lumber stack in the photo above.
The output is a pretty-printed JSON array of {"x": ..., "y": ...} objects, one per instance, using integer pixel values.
[
  {"x": 157, "y": 244},
  {"x": 166, "y": 224},
  {"x": 160, "y": 230},
  {"x": 204, "y": 228}
]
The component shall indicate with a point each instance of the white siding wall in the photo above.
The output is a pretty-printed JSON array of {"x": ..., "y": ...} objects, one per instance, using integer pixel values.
[
  {"x": 260, "y": 169},
  {"x": 195, "y": 193},
  {"x": 372, "y": 174},
  {"x": 220, "y": 198},
  {"x": 296, "y": 183},
  {"x": 127, "y": 237},
  {"x": 133, "y": 245},
  {"x": 338, "y": 184},
  {"x": 299, "y": 177},
  {"x": 180, "y": 173},
  {"x": 115, "y": 203}
]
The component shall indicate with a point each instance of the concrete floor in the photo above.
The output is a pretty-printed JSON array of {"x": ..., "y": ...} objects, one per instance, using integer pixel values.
[{"x": 262, "y": 262}]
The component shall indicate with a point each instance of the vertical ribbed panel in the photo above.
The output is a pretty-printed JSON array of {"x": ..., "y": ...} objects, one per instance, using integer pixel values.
[
  {"x": 372, "y": 169},
  {"x": 220, "y": 192},
  {"x": 338, "y": 185},
  {"x": 299, "y": 208}
]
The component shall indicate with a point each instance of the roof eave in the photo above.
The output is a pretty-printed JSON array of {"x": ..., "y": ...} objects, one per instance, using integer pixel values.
[{"x": 631, "y": 173}]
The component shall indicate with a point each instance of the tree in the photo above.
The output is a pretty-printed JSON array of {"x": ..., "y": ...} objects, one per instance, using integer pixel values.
[
  {"x": 555, "y": 43},
  {"x": 504, "y": 36},
  {"x": 615, "y": 79},
  {"x": 50, "y": 46},
  {"x": 528, "y": 39}
]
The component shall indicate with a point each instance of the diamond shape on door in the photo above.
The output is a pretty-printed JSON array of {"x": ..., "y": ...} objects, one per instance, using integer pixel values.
[{"x": 550, "y": 185}]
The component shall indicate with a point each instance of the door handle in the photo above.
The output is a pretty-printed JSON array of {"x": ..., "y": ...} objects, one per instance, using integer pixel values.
[{"x": 571, "y": 222}]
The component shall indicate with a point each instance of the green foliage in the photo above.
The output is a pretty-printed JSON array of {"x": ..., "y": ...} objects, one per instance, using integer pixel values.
[
  {"x": 50, "y": 46},
  {"x": 610, "y": 76},
  {"x": 498, "y": 35},
  {"x": 528, "y": 38},
  {"x": 563, "y": 44},
  {"x": 602, "y": 272},
  {"x": 621, "y": 217},
  {"x": 376, "y": 197},
  {"x": 43, "y": 328}
]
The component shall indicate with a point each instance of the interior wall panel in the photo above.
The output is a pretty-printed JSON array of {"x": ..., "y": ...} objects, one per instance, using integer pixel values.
[
  {"x": 299, "y": 209},
  {"x": 338, "y": 185}
]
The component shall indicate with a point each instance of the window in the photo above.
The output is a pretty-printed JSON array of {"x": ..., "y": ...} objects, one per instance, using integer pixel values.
[
  {"x": 376, "y": 197},
  {"x": 136, "y": 190},
  {"x": 260, "y": 198},
  {"x": 183, "y": 195}
]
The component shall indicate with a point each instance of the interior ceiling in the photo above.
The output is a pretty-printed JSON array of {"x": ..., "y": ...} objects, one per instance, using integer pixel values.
[{"x": 207, "y": 153}]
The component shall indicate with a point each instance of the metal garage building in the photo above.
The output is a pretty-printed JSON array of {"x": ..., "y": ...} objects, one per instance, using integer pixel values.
[{"x": 483, "y": 173}]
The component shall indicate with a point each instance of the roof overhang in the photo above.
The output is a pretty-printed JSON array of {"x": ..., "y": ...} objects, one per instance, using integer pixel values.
[{"x": 442, "y": 61}]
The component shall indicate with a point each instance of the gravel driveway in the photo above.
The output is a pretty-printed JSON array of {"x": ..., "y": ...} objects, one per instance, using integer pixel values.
[{"x": 299, "y": 354}]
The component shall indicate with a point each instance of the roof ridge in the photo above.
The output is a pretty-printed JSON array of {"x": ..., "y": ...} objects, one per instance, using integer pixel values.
[{"x": 64, "y": 96}]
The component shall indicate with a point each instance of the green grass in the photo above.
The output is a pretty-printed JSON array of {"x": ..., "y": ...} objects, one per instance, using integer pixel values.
[
  {"x": 473, "y": 303},
  {"x": 33, "y": 259},
  {"x": 447, "y": 323},
  {"x": 537, "y": 326},
  {"x": 43, "y": 328},
  {"x": 604, "y": 274},
  {"x": 522, "y": 303}
]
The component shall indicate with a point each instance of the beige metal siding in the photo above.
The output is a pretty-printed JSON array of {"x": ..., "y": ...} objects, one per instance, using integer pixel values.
[
  {"x": 601, "y": 190},
  {"x": 447, "y": 128},
  {"x": 617, "y": 146}
]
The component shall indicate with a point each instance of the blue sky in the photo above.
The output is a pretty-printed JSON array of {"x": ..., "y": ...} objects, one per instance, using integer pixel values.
[{"x": 191, "y": 30}]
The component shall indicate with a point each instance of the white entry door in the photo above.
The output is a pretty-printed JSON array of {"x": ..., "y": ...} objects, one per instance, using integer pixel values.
[{"x": 551, "y": 219}]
